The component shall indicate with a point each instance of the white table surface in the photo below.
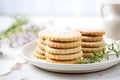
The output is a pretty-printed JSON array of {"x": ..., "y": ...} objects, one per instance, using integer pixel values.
[{"x": 30, "y": 72}]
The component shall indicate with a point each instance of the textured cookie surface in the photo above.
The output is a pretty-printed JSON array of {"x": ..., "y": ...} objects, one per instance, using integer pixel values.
[
  {"x": 41, "y": 46},
  {"x": 90, "y": 50},
  {"x": 92, "y": 44},
  {"x": 64, "y": 36},
  {"x": 91, "y": 31},
  {"x": 43, "y": 34},
  {"x": 63, "y": 51},
  {"x": 87, "y": 55},
  {"x": 40, "y": 51},
  {"x": 63, "y": 45},
  {"x": 39, "y": 56},
  {"x": 64, "y": 56},
  {"x": 43, "y": 41},
  {"x": 62, "y": 62},
  {"x": 92, "y": 38}
]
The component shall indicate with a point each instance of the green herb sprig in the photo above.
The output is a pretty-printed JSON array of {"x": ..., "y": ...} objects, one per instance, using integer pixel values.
[
  {"x": 96, "y": 57},
  {"x": 114, "y": 47},
  {"x": 104, "y": 53}
]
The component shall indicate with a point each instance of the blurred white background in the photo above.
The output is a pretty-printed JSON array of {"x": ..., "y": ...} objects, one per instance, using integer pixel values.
[{"x": 51, "y": 7}]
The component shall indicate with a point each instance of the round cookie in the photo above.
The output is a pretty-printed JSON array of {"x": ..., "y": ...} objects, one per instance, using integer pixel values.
[
  {"x": 43, "y": 34},
  {"x": 40, "y": 51},
  {"x": 64, "y": 36},
  {"x": 62, "y": 62},
  {"x": 41, "y": 46},
  {"x": 91, "y": 31},
  {"x": 42, "y": 41},
  {"x": 92, "y": 38},
  {"x": 63, "y": 45},
  {"x": 63, "y": 51},
  {"x": 87, "y": 55},
  {"x": 90, "y": 50},
  {"x": 92, "y": 44},
  {"x": 64, "y": 56},
  {"x": 39, "y": 56}
]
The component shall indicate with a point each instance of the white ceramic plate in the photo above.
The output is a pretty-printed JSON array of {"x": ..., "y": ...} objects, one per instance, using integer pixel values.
[{"x": 66, "y": 68}]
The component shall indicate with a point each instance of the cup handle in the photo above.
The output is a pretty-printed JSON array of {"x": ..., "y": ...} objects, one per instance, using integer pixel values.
[{"x": 101, "y": 10}]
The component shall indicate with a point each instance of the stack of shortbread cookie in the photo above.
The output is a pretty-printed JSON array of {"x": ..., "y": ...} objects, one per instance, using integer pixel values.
[
  {"x": 63, "y": 47},
  {"x": 92, "y": 40},
  {"x": 68, "y": 47},
  {"x": 40, "y": 49}
]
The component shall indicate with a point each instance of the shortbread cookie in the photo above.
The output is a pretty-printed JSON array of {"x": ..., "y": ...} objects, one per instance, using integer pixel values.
[
  {"x": 80, "y": 60},
  {"x": 63, "y": 45},
  {"x": 92, "y": 38},
  {"x": 92, "y": 44},
  {"x": 43, "y": 41},
  {"x": 62, "y": 62},
  {"x": 41, "y": 46},
  {"x": 39, "y": 56},
  {"x": 64, "y": 56},
  {"x": 91, "y": 31},
  {"x": 43, "y": 34},
  {"x": 64, "y": 36},
  {"x": 87, "y": 55},
  {"x": 63, "y": 51},
  {"x": 90, "y": 50},
  {"x": 39, "y": 50}
]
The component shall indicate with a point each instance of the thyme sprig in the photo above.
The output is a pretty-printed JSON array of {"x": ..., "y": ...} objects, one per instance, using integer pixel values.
[
  {"x": 96, "y": 57},
  {"x": 114, "y": 47},
  {"x": 104, "y": 53}
]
